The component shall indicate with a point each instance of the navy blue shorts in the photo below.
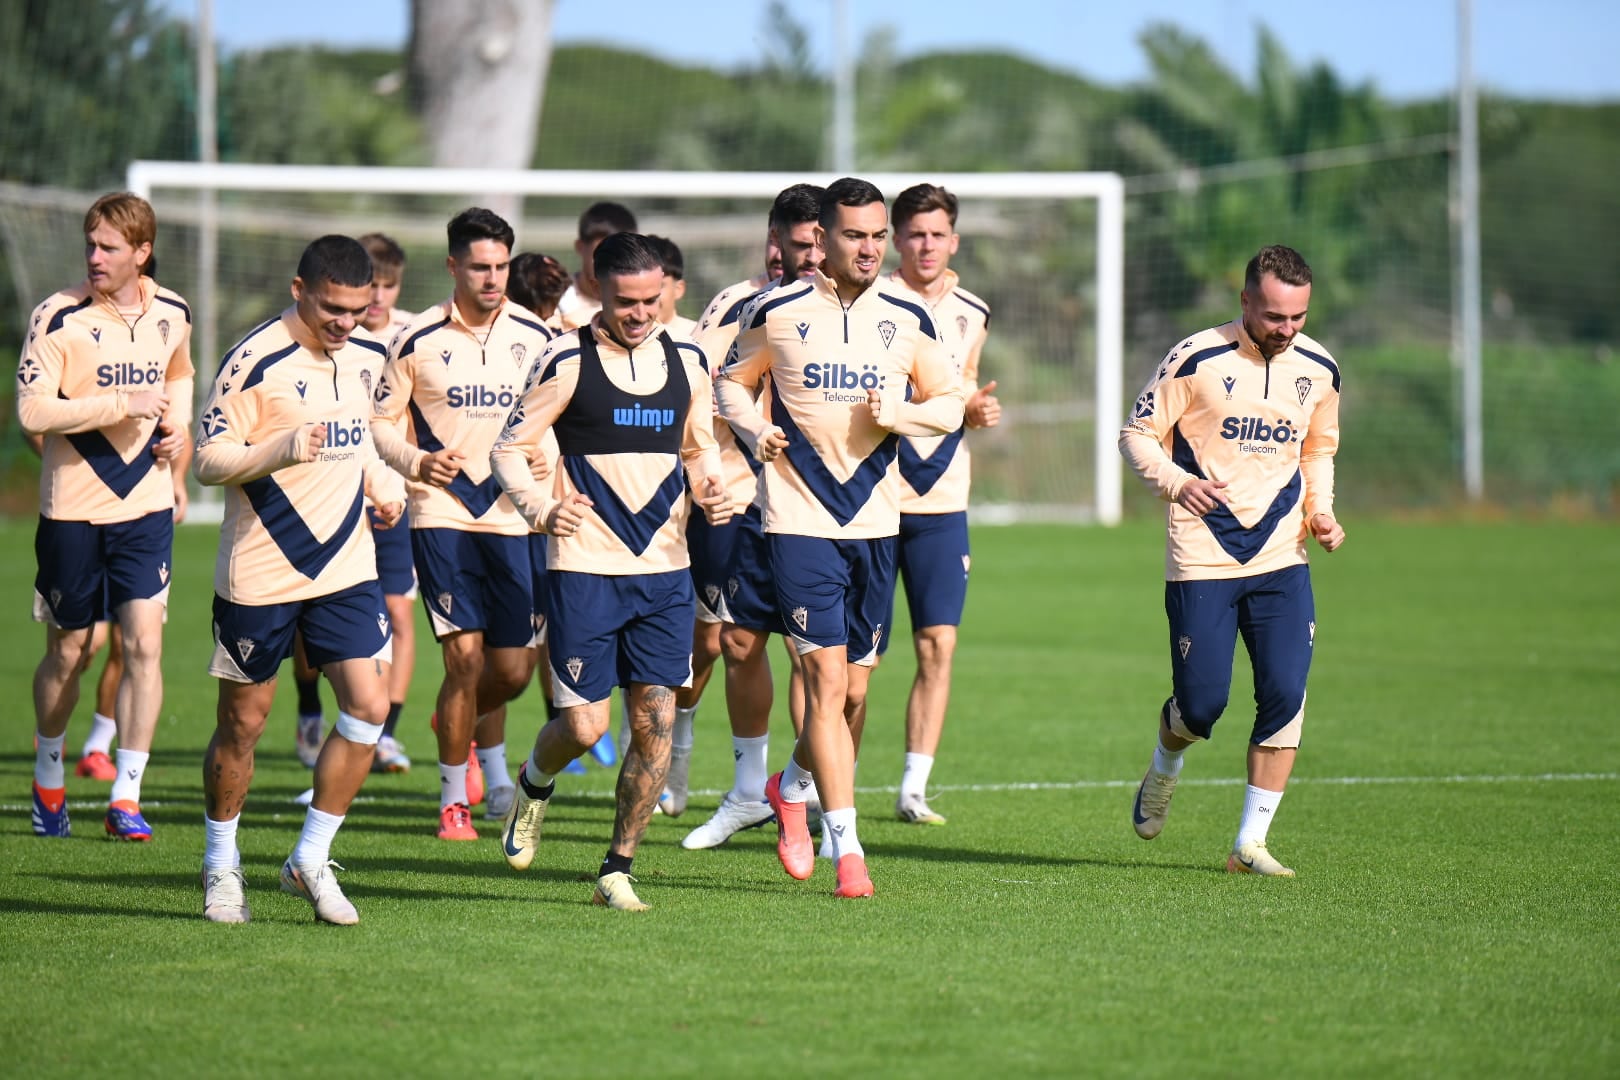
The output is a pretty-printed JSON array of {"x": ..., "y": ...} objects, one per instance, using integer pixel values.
[
  {"x": 934, "y": 560},
  {"x": 620, "y": 629},
  {"x": 396, "y": 572},
  {"x": 537, "y": 579},
  {"x": 86, "y": 572},
  {"x": 251, "y": 641},
  {"x": 1276, "y": 615},
  {"x": 710, "y": 549},
  {"x": 477, "y": 581},
  {"x": 834, "y": 593},
  {"x": 750, "y": 585}
]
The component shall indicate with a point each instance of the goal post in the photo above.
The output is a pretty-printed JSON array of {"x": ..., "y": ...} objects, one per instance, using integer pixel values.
[{"x": 1046, "y": 250}]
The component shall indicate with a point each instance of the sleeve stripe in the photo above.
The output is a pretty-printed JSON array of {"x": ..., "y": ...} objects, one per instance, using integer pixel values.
[
  {"x": 917, "y": 310},
  {"x": 1324, "y": 361},
  {"x": 1190, "y": 365},
  {"x": 61, "y": 316},
  {"x": 410, "y": 342}
]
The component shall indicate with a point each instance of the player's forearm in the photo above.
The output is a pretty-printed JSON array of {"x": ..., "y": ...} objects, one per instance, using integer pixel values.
[
  {"x": 395, "y": 449},
  {"x": 939, "y": 415},
  {"x": 702, "y": 464},
  {"x": 1317, "y": 473},
  {"x": 738, "y": 408},
  {"x": 41, "y": 414},
  {"x": 510, "y": 466},
  {"x": 179, "y": 411},
  {"x": 383, "y": 484},
  {"x": 232, "y": 463},
  {"x": 1147, "y": 459}
]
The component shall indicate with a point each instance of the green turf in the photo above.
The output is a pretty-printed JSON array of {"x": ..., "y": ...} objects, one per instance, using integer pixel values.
[{"x": 1465, "y": 926}]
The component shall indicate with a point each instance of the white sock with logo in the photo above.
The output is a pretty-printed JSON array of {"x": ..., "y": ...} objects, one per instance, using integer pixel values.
[
  {"x": 219, "y": 845},
  {"x": 314, "y": 845},
  {"x": 48, "y": 771},
  {"x": 127, "y": 784},
  {"x": 1259, "y": 807},
  {"x": 749, "y": 773},
  {"x": 103, "y": 729},
  {"x": 680, "y": 738},
  {"x": 493, "y": 759},
  {"x": 452, "y": 784},
  {"x": 1165, "y": 761},
  {"x": 797, "y": 783},
  {"x": 840, "y": 825},
  {"x": 914, "y": 778}
]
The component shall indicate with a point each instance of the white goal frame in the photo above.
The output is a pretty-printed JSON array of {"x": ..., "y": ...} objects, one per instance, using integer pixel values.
[{"x": 1108, "y": 189}]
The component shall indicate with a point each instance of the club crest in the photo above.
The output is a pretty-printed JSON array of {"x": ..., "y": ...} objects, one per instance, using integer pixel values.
[
  {"x": 519, "y": 351},
  {"x": 245, "y": 647},
  {"x": 1311, "y": 629},
  {"x": 732, "y": 585},
  {"x": 961, "y": 326},
  {"x": 445, "y": 602},
  {"x": 56, "y": 599},
  {"x": 574, "y": 665},
  {"x": 382, "y": 623},
  {"x": 163, "y": 573},
  {"x": 712, "y": 592},
  {"x": 886, "y": 331},
  {"x": 1302, "y": 386},
  {"x": 801, "y": 618},
  {"x": 365, "y": 380},
  {"x": 1184, "y": 645}
]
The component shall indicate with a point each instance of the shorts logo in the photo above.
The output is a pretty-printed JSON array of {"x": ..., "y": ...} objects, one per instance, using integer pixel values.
[
  {"x": 886, "y": 331},
  {"x": 163, "y": 573},
  {"x": 1229, "y": 382},
  {"x": 163, "y": 330},
  {"x": 713, "y": 594},
  {"x": 1312, "y": 630},
  {"x": 967, "y": 563},
  {"x": 519, "y": 351},
  {"x": 445, "y": 602},
  {"x": 1184, "y": 645},
  {"x": 245, "y": 647},
  {"x": 804, "y": 331},
  {"x": 801, "y": 618},
  {"x": 877, "y": 635},
  {"x": 1302, "y": 386},
  {"x": 732, "y": 585},
  {"x": 574, "y": 665},
  {"x": 56, "y": 599},
  {"x": 961, "y": 326},
  {"x": 382, "y": 623}
]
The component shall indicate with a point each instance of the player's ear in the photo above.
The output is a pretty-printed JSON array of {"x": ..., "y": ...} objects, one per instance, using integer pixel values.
[
  {"x": 956, "y": 241},
  {"x": 298, "y": 288}
]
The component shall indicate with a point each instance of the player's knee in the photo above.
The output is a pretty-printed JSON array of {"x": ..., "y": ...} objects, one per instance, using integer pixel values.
[
  {"x": 741, "y": 647},
  {"x": 1193, "y": 715},
  {"x": 935, "y": 647},
  {"x": 239, "y": 727},
  {"x": 143, "y": 649},
  {"x": 510, "y": 670},
  {"x": 463, "y": 659}
]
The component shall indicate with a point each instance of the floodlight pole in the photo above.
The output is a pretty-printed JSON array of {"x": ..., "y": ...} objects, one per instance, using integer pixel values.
[
  {"x": 1469, "y": 322},
  {"x": 843, "y": 92},
  {"x": 206, "y": 294}
]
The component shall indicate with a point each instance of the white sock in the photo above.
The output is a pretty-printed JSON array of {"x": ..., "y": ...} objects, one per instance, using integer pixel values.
[
  {"x": 127, "y": 784},
  {"x": 1259, "y": 807},
  {"x": 1167, "y": 761},
  {"x": 314, "y": 845},
  {"x": 493, "y": 759},
  {"x": 680, "y": 739},
  {"x": 534, "y": 776},
  {"x": 103, "y": 729},
  {"x": 219, "y": 849},
  {"x": 624, "y": 718},
  {"x": 452, "y": 784},
  {"x": 914, "y": 778},
  {"x": 749, "y": 774},
  {"x": 825, "y": 851},
  {"x": 797, "y": 783},
  {"x": 841, "y": 824},
  {"x": 48, "y": 771}
]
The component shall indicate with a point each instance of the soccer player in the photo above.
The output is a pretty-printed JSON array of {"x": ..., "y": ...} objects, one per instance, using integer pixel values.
[
  {"x": 1236, "y": 431},
  {"x": 285, "y": 431},
  {"x": 105, "y": 377},
  {"x": 674, "y": 288},
  {"x": 731, "y": 565},
  {"x": 395, "y": 572},
  {"x": 538, "y": 283},
  {"x": 452, "y": 376},
  {"x": 633, "y": 416},
  {"x": 584, "y": 296},
  {"x": 934, "y": 477},
  {"x": 849, "y": 363}
]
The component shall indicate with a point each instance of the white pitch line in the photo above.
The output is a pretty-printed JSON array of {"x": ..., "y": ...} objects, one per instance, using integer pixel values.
[{"x": 1060, "y": 785}]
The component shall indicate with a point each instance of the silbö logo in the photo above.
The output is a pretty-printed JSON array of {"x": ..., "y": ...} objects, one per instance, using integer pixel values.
[
  {"x": 636, "y": 416},
  {"x": 1255, "y": 435}
]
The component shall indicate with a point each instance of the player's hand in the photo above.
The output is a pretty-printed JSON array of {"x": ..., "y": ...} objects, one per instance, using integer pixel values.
[
  {"x": 539, "y": 467},
  {"x": 771, "y": 444},
  {"x": 984, "y": 408},
  {"x": 171, "y": 441},
  {"x": 308, "y": 440},
  {"x": 145, "y": 404},
  {"x": 715, "y": 501},
  {"x": 1201, "y": 496},
  {"x": 182, "y": 499},
  {"x": 386, "y": 515},
  {"x": 874, "y": 401},
  {"x": 1327, "y": 530},
  {"x": 441, "y": 467},
  {"x": 565, "y": 519}
]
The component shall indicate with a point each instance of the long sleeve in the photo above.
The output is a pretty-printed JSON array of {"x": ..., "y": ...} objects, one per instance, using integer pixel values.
[
  {"x": 736, "y": 388},
  {"x": 699, "y": 449},
  {"x": 1316, "y": 456},
  {"x": 223, "y": 455},
  {"x": 549, "y": 390},
  {"x": 1141, "y": 441},
  {"x": 938, "y": 404},
  {"x": 392, "y": 398}
]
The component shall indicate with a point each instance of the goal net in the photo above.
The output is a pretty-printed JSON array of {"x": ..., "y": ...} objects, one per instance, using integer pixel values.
[{"x": 1045, "y": 250}]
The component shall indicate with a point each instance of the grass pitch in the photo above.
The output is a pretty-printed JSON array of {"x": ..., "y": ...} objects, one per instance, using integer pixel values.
[{"x": 1453, "y": 822}]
